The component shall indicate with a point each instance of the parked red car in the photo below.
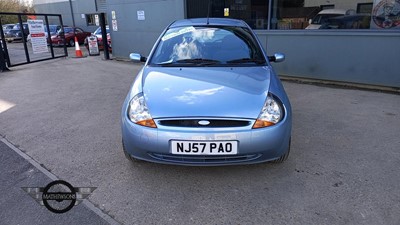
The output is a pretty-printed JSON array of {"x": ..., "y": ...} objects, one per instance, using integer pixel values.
[{"x": 69, "y": 36}]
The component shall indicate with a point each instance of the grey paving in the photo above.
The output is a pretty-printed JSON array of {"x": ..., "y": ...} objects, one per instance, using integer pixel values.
[
  {"x": 343, "y": 167},
  {"x": 17, "y": 207}
]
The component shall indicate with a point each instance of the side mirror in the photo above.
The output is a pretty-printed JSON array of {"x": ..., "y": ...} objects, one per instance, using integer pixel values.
[
  {"x": 277, "y": 57},
  {"x": 137, "y": 57}
]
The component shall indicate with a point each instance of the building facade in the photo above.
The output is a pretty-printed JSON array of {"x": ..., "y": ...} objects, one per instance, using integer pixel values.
[
  {"x": 360, "y": 45},
  {"x": 74, "y": 13}
]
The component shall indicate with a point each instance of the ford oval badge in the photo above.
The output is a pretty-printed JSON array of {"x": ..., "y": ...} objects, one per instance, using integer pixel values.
[{"x": 204, "y": 122}]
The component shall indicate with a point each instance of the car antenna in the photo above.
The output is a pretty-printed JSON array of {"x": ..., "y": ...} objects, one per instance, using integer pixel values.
[{"x": 208, "y": 12}]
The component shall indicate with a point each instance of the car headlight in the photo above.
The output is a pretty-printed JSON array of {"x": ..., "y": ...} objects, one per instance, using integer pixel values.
[
  {"x": 271, "y": 113},
  {"x": 139, "y": 113}
]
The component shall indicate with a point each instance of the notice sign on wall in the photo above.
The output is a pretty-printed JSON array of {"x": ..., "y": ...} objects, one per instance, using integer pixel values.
[
  {"x": 140, "y": 15},
  {"x": 38, "y": 36},
  {"x": 96, "y": 20},
  {"x": 226, "y": 11},
  {"x": 114, "y": 25}
]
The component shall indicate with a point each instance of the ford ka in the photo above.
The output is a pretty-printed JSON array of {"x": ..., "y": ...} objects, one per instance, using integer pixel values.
[{"x": 207, "y": 95}]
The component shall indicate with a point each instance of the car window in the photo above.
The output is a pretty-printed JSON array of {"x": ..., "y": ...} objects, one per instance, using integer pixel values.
[
  {"x": 53, "y": 28},
  {"x": 97, "y": 31},
  {"x": 66, "y": 30},
  {"x": 9, "y": 27},
  {"x": 323, "y": 18},
  {"x": 211, "y": 45},
  {"x": 17, "y": 27}
]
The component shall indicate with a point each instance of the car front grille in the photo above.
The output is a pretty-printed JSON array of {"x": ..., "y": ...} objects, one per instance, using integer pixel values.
[
  {"x": 204, "y": 159},
  {"x": 212, "y": 123}
]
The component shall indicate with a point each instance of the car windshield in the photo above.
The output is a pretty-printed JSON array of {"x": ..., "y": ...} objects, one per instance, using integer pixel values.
[
  {"x": 98, "y": 31},
  {"x": 66, "y": 30},
  {"x": 207, "y": 46},
  {"x": 8, "y": 27},
  {"x": 53, "y": 28}
]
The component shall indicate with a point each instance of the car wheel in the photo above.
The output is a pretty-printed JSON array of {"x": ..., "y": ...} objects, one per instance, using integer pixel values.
[
  {"x": 128, "y": 156},
  {"x": 285, "y": 156},
  {"x": 71, "y": 43}
]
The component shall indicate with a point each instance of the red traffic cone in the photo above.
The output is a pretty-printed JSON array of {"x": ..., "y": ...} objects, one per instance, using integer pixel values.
[{"x": 78, "y": 52}]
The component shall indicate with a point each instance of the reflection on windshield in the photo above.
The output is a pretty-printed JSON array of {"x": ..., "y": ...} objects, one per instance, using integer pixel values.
[
  {"x": 207, "y": 46},
  {"x": 203, "y": 35},
  {"x": 187, "y": 49}
]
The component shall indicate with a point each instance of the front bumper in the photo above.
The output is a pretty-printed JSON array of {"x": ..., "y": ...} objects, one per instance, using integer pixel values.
[
  {"x": 11, "y": 39},
  {"x": 254, "y": 145},
  {"x": 57, "y": 42}
]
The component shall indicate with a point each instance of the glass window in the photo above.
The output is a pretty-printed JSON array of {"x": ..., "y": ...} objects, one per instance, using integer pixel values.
[
  {"x": 208, "y": 46},
  {"x": 91, "y": 19},
  {"x": 338, "y": 14},
  {"x": 386, "y": 14},
  {"x": 303, "y": 14},
  {"x": 364, "y": 7},
  {"x": 254, "y": 12}
]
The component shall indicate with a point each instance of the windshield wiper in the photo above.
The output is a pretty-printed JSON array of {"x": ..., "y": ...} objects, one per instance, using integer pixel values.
[
  {"x": 198, "y": 61},
  {"x": 246, "y": 60},
  {"x": 166, "y": 63}
]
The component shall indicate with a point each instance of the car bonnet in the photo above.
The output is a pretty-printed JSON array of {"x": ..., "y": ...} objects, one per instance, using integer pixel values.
[{"x": 237, "y": 92}]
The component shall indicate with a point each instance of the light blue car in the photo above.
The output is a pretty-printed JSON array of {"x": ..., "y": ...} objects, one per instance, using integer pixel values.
[{"x": 207, "y": 96}]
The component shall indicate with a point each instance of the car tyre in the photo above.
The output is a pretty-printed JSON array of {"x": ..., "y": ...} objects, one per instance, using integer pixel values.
[
  {"x": 128, "y": 156},
  {"x": 71, "y": 43},
  {"x": 285, "y": 156}
]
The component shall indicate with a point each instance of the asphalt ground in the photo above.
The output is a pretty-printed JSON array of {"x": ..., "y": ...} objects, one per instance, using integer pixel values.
[
  {"x": 17, "y": 54},
  {"x": 17, "y": 207},
  {"x": 343, "y": 167}
]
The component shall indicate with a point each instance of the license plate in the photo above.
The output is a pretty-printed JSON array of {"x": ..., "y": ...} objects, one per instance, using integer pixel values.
[{"x": 204, "y": 147}]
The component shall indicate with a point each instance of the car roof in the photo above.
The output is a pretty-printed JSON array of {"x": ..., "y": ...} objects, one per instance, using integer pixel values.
[
  {"x": 209, "y": 21},
  {"x": 333, "y": 11}
]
